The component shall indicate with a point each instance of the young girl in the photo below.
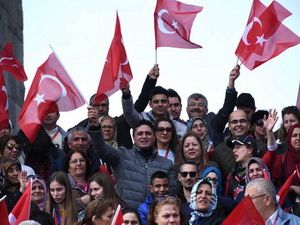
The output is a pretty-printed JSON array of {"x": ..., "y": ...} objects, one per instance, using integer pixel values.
[{"x": 61, "y": 203}]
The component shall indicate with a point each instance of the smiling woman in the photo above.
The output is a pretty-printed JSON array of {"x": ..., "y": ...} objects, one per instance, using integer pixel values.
[{"x": 204, "y": 203}]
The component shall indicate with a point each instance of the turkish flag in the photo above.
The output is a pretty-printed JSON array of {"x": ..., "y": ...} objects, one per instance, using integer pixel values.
[
  {"x": 173, "y": 24},
  {"x": 3, "y": 212},
  {"x": 21, "y": 211},
  {"x": 52, "y": 90},
  {"x": 116, "y": 71},
  {"x": 118, "y": 217},
  {"x": 4, "y": 116},
  {"x": 11, "y": 64},
  {"x": 265, "y": 36},
  {"x": 284, "y": 190},
  {"x": 244, "y": 213}
]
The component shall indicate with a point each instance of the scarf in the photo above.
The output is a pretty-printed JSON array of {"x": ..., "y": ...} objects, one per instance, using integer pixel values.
[
  {"x": 195, "y": 215},
  {"x": 292, "y": 156}
]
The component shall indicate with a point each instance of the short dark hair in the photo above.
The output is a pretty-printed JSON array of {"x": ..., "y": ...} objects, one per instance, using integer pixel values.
[
  {"x": 245, "y": 100},
  {"x": 158, "y": 90},
  {"x": 173, "y": 94},
  {"x": 188, "y": 162},
  {"x": 291, "y": 110},
  {"x": 158, "y": 174},
  {"x": 143, "y": 122}
]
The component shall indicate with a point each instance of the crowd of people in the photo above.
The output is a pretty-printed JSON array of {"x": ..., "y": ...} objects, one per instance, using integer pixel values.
[{"x": 170, "y": 171}]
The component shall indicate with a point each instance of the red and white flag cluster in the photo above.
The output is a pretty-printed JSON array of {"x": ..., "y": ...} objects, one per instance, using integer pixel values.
[
  {"x": 173, "y": 23},
  {"x": 265, "y": 36}
]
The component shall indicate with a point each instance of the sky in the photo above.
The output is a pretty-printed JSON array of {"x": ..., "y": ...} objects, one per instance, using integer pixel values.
[{"x": 81, "y": 31}]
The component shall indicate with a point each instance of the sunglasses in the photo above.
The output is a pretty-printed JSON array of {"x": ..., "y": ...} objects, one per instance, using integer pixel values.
[
  {"x": 259, "y": 123},
  {"x": 191, "y": 174},
  {"x": 11, "y": 146},
  {"x": 163, "y": 129}
]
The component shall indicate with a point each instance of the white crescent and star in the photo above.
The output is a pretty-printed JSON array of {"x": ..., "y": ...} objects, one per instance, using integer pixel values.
[
  {"x": 161, "y": 24},
  {"x": 126, "y": 60},
  {"x": 3, "y": 88},
  {"x": 40, "y": 97},
  {"x": 260, "y": 40}
]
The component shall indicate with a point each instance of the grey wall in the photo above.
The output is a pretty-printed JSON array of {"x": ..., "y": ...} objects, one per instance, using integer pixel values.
[{"x": 11, "y": 30}]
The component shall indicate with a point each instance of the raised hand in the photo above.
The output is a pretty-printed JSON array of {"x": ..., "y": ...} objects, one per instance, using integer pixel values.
[
  {"x": 233, "y": 75},
  {"x": 22, "y": 176},
  {"x": 270, "y": 121},
  {"x": 154, "y": 72}
]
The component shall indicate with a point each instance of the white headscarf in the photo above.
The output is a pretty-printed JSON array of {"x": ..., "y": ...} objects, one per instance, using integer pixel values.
[{"x": 213, "y": 203}]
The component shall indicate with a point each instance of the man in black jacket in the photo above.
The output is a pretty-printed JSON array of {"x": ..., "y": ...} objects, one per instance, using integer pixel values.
[{"x": 123, "y": 129}]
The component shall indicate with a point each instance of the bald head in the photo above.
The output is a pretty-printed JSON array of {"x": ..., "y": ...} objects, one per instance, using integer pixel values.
[{"x": 238, "y": 123}]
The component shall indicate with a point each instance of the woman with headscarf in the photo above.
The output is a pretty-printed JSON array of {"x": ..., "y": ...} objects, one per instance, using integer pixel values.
[
  {"x": 15, "y": 182},
  {"x": 199, "y": 126},
  {"x": 256, "y": 168},
  {"x": 39, "y": 193},
  {"x": 204, "y": 204}
]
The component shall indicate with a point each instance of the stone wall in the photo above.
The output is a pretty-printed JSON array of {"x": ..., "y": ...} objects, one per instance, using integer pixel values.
[{"x": 11, "y": 30}]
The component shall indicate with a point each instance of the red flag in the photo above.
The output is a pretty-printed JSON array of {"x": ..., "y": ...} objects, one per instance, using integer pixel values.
[
  {"x": 4, "y": 116},
  {"x": 52, "y": 90},
  {"x": 116, "y": 72},
  {"x": 284, "y": 190},
  {"x": 244, "y": 213},
  {"x": 265, "y": 36},
  {"x": 11, "y": 64},
  {"x": 21, "y": 211},
  {"x": 173, "y": 23},
  {"x": 3, "y": 212},
  {"x": 118, "y": 217}
]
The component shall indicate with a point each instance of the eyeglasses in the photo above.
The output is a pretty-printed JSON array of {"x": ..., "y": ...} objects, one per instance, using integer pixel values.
[
  {"x": 77, "y": 160},
  {"x": 259, "y": 123},
  {"x": 258, "y": 196},
  {"x": 192, "y": 174},
  {"x": 235, "y": 122},
  {"x": 213, "y": 180},
  {"x": 194, "y": 104},
  {"x": 107, "y": 127},
  {"x": 11, "y": 146},
  {"x": 163, "y": 129},
  {"x": 97, "y": 106}
]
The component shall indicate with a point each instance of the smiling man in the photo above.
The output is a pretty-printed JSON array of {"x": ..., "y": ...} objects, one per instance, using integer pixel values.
[
  {"x": 159, "y": 104},
  {"x": 133, "y": 167}
]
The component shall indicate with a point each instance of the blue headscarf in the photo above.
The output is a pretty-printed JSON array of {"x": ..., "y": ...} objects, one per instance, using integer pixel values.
[
  {"x": 217, "y": 171},
  {"x": 195, "y": 215}
]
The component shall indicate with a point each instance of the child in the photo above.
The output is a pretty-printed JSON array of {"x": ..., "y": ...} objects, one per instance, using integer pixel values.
[{"x": 159, "y": 187}]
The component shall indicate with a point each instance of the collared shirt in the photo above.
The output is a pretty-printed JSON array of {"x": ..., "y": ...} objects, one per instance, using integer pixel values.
[{"x": 272, "y": 219}]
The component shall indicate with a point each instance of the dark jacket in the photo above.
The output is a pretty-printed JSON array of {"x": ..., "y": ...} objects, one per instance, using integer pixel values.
[
  {"x": 123, "y": 128},
  {"x": 133, "y": 171}
]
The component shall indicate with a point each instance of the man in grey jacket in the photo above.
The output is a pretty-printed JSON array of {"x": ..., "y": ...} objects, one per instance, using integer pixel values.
[{"x": 134, "y": 167}]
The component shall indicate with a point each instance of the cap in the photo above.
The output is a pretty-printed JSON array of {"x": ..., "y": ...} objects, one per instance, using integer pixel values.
[
  {"x": 243, "y": 140},
  {"x": 245, "y": 100}
]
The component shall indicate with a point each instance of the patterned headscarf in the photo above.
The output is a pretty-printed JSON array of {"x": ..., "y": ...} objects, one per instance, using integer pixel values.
[
  {"x": 213, "y": 204},
  {"x": 42, "y": 204}
]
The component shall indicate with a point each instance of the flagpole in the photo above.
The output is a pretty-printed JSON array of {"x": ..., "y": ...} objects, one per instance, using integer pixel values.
[
  {"x": 3, "y": 198},
  {"x": 67, "y": 72}
]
